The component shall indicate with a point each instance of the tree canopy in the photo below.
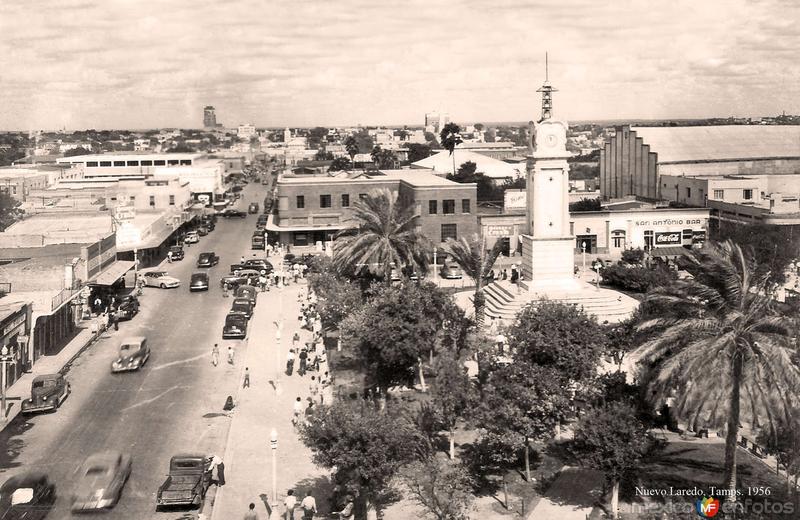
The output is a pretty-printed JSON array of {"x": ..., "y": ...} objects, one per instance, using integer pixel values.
[{"x": 417, "y": 152}]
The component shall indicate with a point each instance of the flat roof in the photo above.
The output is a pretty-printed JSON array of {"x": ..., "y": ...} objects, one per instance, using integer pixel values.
[
  {"x": 90, "y": 222},
  {"x": 415, "y": 177},
  {"x": 132, "y": 156}
]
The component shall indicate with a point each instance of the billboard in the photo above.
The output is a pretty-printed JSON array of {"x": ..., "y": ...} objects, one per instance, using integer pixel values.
[
  {"x": 668, "y": 238},
  {"x": 515, "y": 200}
]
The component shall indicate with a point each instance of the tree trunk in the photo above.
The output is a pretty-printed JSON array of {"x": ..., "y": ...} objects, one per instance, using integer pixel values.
[
  {"x": 452, "y": 445},
  {"x": 453, "y": 154},
  {"x": 421, "y": 376},
  {"x": 505, "y": 492},
  {"x": 733, "y": 428},
  {"x": 527, "y": 461},
  {"x": 614, "y": 499}
]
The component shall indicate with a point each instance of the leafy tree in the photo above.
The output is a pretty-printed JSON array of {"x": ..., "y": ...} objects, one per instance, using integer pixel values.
[
  {"x": 323, "y": 155},
  {"x": 9, "y": 210},
  {"x": 451, "y": 395},
  {"x": 443, "y": 490},
  {"x": 637, "y": 278},
  {"x": 364, "y": 141},
  {"x": 430, "y": 138},
  {"x": 585, "y": 205},
  {"x": 479, "y": 127},
  {"x": 384, "y": 159},
  {"x": 633, "y": 256},
  {"x": 339, "y": 164},
  {"x": 784, "y": 443},
  {"x": 316, "y": 136},
  {"x": 492, "y": 453},
  {"x": 337, "y": 297},
  {"x": 466, "y": 170},
  {"x": 450, "y": 138},
  {"x": 772, "y": 247},
  {"x": 612, "y": 440},
  {"x": 485, "y": 190},
  {"x": 351, "y": 146},
  {"x": 181, "y": 148},
  {"x": 720, "y": 338},
  {"x": 417, "y": 152},
  {"x": 77, "y": 151},
  {"x": 365, "y": 447},
  {"x": 471, "y": 254},
  {"x": 560, "y": 336},
  {"x": 490, "y": 135},
  {"x": 620, "y": 339},
  {"x": 385, "y": 233}
]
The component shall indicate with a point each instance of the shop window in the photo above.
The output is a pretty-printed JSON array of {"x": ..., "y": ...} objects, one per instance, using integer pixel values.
[
  {"x": 465, "y": 206},
  {"x": 173, "y": 162},
  {"x": 105, "y": 163},
  {"x": 719, "y": 194},
  {"x": 433, "y": 207},
  {"x": 300, "y": 239},
  {"x": 152, "y": 201},
  {"x": 449, "y": 231},
  {"x": 448, "y": 207},
  {"x": 147, "y": 163},
  {"x": 186, "y": 162},
  {"x": 301, "y": 202},
  {"x": 345, "y": 200},
  {"x": 159, "y": 162},
  {"x": 618, "y": 238},
  {"x": 747, "y": 194},
  {"x": 324, "y": 201}
]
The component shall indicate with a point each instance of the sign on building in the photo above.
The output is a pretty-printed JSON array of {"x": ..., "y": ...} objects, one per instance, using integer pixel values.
[
  {"x": 669, "y": 238},
  {"x": 515, "y": 200}
]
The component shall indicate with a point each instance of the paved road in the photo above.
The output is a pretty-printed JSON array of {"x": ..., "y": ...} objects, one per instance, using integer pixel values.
[{"x": 173, "y": 404}]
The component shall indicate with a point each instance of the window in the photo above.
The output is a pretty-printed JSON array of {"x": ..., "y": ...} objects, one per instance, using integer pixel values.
[
  {"x": 618, "y": 237},
  {"x": 159, "y": 162},
  {"x": 449, "y": 231},
  {"x": 464, "y": 205},
  {"x": 172, "y": 162},
  {"x": 132, "y": 198},
  {"x": 432, "y": 207},
  {"x": 324, "y": 201},
  {"x": 186, "y": 162},
  {"x": 648, "y": 239},
  {"x": 172, "y": 200},
  {"x": 92, "y": 164},
  {"x": 362, "y": 196},
  {"x": 119, "y": 163},
  {"x": 105, "y": 163},
  {"x": 147, "y": 163},
  {"x": 133, "y": 163},
  {"x": 719, "y": 194},
  {"x": 747, "y": 194},
  {"x": 153, "y": 200},
  {"x": 448, "y": 207},
  {"x": 687, "y": 236},
  {"x": 301, "y": 202},
  {"x": 688, "y": 193},
  {"x": 345, "y": 200}
]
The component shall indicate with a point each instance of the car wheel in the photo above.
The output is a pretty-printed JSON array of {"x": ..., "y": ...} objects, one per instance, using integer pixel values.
[{"x": 163, "y": 286}]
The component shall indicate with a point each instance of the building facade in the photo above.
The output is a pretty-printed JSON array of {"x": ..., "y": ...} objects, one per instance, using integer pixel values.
[{"x": 209, "y": 117}]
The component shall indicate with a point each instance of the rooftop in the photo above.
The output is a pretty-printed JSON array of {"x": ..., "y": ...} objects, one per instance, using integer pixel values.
[
  {"x": 721, "y": 143},
  {"x": 442, "y": 163},
  {"x": 133, "y": 156},
  {"x": 417, "y": 177},
  {"x": 92, "y": 223}
]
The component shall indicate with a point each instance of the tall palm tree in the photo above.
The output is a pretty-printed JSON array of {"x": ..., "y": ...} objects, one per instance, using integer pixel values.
[
  {"x": 449, "y": 138},
  {"x": 384, "y": 233},
  {"x": 351, "y": 147},
  {"x": 476, "y": 262},
  {"x": 721, "y": 348}
]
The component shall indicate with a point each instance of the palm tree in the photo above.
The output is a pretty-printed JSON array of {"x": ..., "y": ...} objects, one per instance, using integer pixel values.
[
  {"x": 720, "y": 344},
  {"x": 385, "y": 233},
  {"x": 351, "y": 146},
  {"x": 476, "y": 262},
  {"x": 449, "y": 138}
]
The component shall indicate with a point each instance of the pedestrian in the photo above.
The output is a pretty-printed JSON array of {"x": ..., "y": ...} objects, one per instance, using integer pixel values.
[
  {"x": 298, "y": 411},
  {"x": 246, "y": 383},
  {"x": 347, "y": 512},
  {"x": 262, "y": 282},
  {"x": 230, "y": 355},
  {"x": 241, "y": 261},
  {"x": 505, "y": 274},
  {"x": 98, "y": 305},
  {"x": 303, "y": 358},
  {"x": 169, "y": 257},
  {"x": 309, "y": 409},
  {"x": 309, "y": 506},
  {"x": 290, "y": 362},
  {"x": 514, "y": 274},
  {"x": 215, "y": 355},
  {"x": 216, "y": 462},
  {"x": 251, "y": 512},
  {"x": 112, "y": 319},
  {"x": 290, "y": 503},
  {"x": 296, "y": 340},
  {"x": 313, "y": 388}
]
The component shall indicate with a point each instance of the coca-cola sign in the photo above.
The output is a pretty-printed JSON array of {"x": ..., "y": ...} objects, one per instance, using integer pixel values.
[{"x": 669, "y": 238}]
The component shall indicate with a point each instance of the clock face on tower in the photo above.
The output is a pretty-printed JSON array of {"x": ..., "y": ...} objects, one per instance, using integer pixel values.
[{"x": 550, "y": 137}]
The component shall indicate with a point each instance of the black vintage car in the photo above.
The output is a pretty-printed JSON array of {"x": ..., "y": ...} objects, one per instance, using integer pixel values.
[
  {"x": 243, "y": 305},
  {"x": 235, "y": 326},
  {"x": 48, "y": 391},
  {"x": 231, "y": 213},
  {"x": 199, "y": 282},
  {"x": 208, "y": 259},
  {"x": 127, "y": 307},
  {"x": 28, "y": 496},
  {"x": 177, "y": 253}
]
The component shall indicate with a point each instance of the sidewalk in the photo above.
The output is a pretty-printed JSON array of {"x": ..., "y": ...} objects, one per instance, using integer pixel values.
[
  {"x": 571, "y": 497},
  {"x": 248, "y": 457},
  {"x": 21, "y": 389}
]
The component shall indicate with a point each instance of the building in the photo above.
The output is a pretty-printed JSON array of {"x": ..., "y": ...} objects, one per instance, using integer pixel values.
[
  {"x": 19, "y": 182},
  {"x": 634, "y": 159},
  {"x": 312, "y": 208},
  {"x": 15, "y": 329},
  {"x": 209, "y": 117},
  {"x": 246, "y": 131},
  {"x": 497, "y": 150},
  {"x": 435, "y": 121},
  {"x": 441, "y": 163}
]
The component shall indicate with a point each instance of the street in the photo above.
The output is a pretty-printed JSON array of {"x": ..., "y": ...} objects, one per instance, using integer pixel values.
[{"x": 172, "y": 405}]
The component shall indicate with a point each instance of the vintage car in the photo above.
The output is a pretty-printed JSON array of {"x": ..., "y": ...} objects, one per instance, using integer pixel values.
[
  {"x": 233, "y": 280},
  {"x": 127, "y": 307},
  {"x": 188, "y": 480},
  {"x": 160, "y": 279},
  {"x": 47, "y": 393},
  {"x": 235, "y": 326},
  {"x": 261, "y": 265},
  {"x": 243, "y": 305},
  {"x": 262, "y": 220},
  {"x": 199, "y": 282},
  {"x": 99, "y": 481},
  {"x": 192, "y": 237},
  {"x": 248, "y": 292},
  {"x": 258, "y": 242},
  {"x": 202, "y": 231},
  {"x": 207, "y": 259},
  {"x": 133, "y": 354},
  {"x": 28, "y": 496},
  {"x": 450, "y": 270},
  {"x": 177, "y": 253},
  {"x": 252, "y": 208},
  {"x": 231, "y": 213}
]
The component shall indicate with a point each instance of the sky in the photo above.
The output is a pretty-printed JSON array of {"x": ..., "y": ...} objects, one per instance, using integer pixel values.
[{"x": 80, "y": 64}]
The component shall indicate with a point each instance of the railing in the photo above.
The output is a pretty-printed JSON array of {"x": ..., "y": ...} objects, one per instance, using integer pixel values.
[{"x": 61, "y": 297}]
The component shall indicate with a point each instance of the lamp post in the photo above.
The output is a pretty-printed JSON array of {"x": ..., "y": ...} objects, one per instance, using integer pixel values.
[
  {"x": 583, "y": 253},
  {"x": 278, "y": 333},
  {"x": 5, "y": 360},
  {"x": 434, "y": 267},
  {"x": 273, "y": 444}
]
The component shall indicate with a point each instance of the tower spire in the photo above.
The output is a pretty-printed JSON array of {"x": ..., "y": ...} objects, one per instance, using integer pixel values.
[{"x": 546, "y": 89}]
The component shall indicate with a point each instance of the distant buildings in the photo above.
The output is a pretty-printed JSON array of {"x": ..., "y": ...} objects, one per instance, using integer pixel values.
[
  {"x": 210, "y": 117},
  {"x": 246, "y": 131},
  {"x": 435, "y": 121}
]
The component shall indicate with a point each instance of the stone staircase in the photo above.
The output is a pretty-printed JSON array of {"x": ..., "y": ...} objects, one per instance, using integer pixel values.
[{"x": 503, "y": 301}]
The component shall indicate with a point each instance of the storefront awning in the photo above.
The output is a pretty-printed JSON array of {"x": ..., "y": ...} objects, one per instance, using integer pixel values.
[
  {"x": 114, "y": 272},
  {"x": 669, "y": 251},
  {"x": 270, "y": 226}
]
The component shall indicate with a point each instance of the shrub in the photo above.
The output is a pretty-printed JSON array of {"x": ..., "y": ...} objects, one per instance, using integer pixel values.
[
  {"x": 633, "y": 256},
  {"x": 636, "y": 279}
]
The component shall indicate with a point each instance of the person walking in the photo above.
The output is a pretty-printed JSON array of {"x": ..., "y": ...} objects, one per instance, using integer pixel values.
[
  {"x": 309, "y": 506},
  {"x": 251, "y": 512},
  {"x": 262, "y": 282},
  {"x": 215, "y": 355},
  {"x": 169, "y": 257},
  {"x": 347, "y": 512},
  {"x": 296, "y": 340},
  {"x": 112, "y": 319},
  {"x": 290, "y": 362},
  {"x": 298, "y": 411},
  {"x": 313, "y": 388},
  {"x": 216, "y": 462},
  {"x": 290, "y": 503},
  {"x": 303, "y": 359},
  {"x": 230, "y": 355},
  {"x": 246, "y": 383}
]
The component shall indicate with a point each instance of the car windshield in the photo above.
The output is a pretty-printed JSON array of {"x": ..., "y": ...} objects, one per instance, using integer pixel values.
[
  {"x": 158, "y": 274},
  {"x": 240, "y": 306},
  {"x": 127, "y": 347},
  {"x": 96, "y": 470},
  {"x": 48, "y": 383}
]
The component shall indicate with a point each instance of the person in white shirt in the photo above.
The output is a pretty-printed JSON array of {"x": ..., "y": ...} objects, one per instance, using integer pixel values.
[
  {"x": 290, "y": 503},
  {"x": 309, "y": 506}
]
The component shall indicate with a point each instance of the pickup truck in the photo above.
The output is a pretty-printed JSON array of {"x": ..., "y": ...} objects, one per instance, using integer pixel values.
[
  {"x": 188, "y": 480},
  {"x": 259, "y": 264}
]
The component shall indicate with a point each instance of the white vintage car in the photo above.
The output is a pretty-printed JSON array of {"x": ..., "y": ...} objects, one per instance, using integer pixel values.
[{"x": 160, "y": 279}]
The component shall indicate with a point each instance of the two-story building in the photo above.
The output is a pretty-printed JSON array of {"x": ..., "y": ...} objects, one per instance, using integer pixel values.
[{"x": 313, "y": 208}]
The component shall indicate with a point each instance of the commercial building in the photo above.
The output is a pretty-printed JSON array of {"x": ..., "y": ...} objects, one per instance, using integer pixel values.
[
  {"x": 634, "y": 160},
  {"x": 210, "y": 117},
  {"x": 246, "y": 131},
  {"x": 15, "y": 328},
  {"x": 313, "y": 208}
]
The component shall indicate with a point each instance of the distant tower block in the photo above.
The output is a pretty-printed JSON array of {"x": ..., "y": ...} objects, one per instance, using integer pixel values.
[{"x": 209, "y": 117}]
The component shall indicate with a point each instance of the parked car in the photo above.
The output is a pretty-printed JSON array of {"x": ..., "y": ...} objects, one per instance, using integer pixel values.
[
  {"x": 247, "y": 291},
  {"x": 177, "y": 253},
  {"x": 133, "y": 354},
  {"x": 450, "y": 270},
  {"x": 27, "y": 496},
  {"x": 127, "y": 307},
  {"x": 244, "y": 305},
  {"x": 208, "y": 259},
  {"x": 48, "y": 391},
  {"x": 209, "y": 223},
  {"x": 233, "y": 213},
  {"x": 235, "y": 326},
  {"x": 252, "y": 208},
  {"x": 260, "y": 265},
  {"x": 258, "y": 242},
  {"x": 187, "y": 482},
  {"x": 100, "y": 481},
  {"x": 191, "y": 238},
  {"x": 233, "y": 280},
  {"x": 202, "y": 231},
  {"x": 199, "y": 282},
  {"x": 262, "y": 220},
  {"x": 160, "y": 279}
]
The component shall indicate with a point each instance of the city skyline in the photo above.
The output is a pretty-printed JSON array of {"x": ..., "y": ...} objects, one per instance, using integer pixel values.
[{"x": 80, "y": 64}]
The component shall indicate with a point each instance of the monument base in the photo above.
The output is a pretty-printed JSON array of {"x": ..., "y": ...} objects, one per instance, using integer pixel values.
[{"x": 548, "y": 263}]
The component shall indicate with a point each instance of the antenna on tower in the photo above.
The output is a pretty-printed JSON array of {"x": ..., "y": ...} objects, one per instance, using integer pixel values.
[
  {"x": 546, "y": 90},
  {"x": 546, "y": 69}
]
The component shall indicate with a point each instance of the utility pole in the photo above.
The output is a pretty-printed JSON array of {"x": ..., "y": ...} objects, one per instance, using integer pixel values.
[{"x": 5, "y": 360}]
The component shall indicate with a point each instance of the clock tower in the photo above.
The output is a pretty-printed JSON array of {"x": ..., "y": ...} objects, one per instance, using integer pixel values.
[{"x": 548, "y": 248}]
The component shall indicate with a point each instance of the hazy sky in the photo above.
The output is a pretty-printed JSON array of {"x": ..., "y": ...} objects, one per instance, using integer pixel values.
[{"x": 144, "y": 64}]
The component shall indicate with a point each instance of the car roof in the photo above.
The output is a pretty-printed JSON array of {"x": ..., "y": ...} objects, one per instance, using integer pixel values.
[
  {"x": 103, "y": 457},
  {"x": 207, "y": 253},
  {"x": 246, "y": 287},
  {"x": 188, "y": 456},
  {"x": 47, "y": 377},
  {"x": 133, "y": 339},
  {"x": 23, "y": 479},
  {"x": 238, "y": 313},
  {"x": 199, "y": 274}
]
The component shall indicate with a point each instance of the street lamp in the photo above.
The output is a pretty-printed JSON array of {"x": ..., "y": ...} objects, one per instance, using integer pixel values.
[
  {"x": 434, "y": 267},
  {"x": 5, "y": 360},
  {"x": 273, "y": 443},
  {"x": 583, "y": 252},
  {"x": 278, "y": 331}
]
